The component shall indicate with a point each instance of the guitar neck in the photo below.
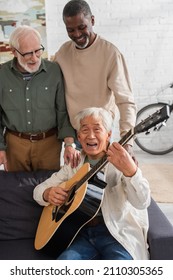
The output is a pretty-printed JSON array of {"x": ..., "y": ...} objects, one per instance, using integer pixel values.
[
  {"x": 96, "y": 168},
  {"x": 127, "y": 137}
]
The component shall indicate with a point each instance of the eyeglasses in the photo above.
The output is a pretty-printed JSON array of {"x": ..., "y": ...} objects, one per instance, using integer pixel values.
[{"x": 28, "y": 55}]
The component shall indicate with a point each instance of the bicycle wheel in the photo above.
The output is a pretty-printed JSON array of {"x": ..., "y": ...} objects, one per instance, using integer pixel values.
[{"x": 159, "y": 141}]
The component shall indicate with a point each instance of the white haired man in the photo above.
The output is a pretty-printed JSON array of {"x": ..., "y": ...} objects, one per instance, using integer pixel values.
[
  {"x": 32, "y": 108},
  {"x": 118, "y": 231}
]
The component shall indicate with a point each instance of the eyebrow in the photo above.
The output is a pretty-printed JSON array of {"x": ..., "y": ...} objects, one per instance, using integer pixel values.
[{"x": 96, "y": 124}]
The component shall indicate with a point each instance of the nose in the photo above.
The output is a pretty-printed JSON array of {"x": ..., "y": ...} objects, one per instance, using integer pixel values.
[
  {"x": 91, "y": 134},
  {"x": 77, "y": 33},
  {"x": 34, "y": 57}
]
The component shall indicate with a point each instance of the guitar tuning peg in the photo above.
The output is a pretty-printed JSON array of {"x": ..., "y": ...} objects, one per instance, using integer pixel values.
[
  {"x": 164, "y": 123},
  {"x": 147, "y": 132},
  {"x": 159, "y": 126}
]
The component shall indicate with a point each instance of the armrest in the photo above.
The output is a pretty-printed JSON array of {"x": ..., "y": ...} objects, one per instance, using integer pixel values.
[{"x": 160, "y": 234}]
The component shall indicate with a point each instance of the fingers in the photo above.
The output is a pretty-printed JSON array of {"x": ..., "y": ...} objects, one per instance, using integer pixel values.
[
  {"x": 3, "y": 160},
  {"x": 114, "y": 148},
  {"x": 135, "y": 160},
  {"x": 75, "y": 159},
  {"x": 72, "y": 156},
  {"x": 121, "y": 159},
  {"x": 58, "y": 199},
  {"x": 59, "y": 196},
  {"x": 129, "y": 149},
  {"x": 5, "y": 166},
  {"x": 55, "y": 195}
]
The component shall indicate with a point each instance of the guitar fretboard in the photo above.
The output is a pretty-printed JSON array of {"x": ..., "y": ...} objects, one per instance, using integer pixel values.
[{"x": 99, "y": 165}]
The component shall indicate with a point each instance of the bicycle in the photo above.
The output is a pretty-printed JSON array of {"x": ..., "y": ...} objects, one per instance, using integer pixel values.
[{"x": 159, "y": 141}]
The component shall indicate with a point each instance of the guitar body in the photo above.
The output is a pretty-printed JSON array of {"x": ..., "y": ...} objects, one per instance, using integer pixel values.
[{"x": 79, "y": 210}]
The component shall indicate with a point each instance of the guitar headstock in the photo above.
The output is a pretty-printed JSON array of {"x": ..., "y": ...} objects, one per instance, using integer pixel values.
[{"x": 159, "y": 116}]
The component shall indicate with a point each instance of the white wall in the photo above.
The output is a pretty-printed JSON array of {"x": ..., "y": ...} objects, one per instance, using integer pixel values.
[{"x": 141, "y": 29}]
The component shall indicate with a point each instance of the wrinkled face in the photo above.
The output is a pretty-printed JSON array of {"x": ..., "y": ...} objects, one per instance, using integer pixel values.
[
  {"x": 29, "y": 62},
  {"x": 80, "y": 30},
  {"x": 93, "y": 137}
]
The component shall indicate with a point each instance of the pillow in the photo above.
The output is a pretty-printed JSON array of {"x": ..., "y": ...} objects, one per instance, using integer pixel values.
[{"x": 19, "y": 213}]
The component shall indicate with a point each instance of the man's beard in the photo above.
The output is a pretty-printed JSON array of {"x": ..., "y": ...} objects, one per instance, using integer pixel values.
[
  {"x": 28, "y": 69},
  {"x": 83, "y": 46}
]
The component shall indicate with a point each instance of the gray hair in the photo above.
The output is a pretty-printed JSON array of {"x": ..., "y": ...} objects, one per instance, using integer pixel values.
[
  {"x": 75, "y": 7},
  {"x": 95, "y": 112},
  {"x": 22, "y": 32}
]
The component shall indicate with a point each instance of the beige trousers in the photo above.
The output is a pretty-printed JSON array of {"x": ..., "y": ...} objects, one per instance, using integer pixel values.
[{"x": 24, "y": 155}]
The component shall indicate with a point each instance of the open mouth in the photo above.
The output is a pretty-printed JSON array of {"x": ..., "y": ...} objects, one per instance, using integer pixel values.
[
  {"x": 92, "y": 145},
  {"x": 80, "y": 40}
]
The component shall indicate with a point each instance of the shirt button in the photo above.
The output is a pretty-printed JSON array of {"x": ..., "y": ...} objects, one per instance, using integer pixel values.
[
  {"x": 27, "y": 88},
  {"x": 27, "y": 99},
  {"x": 29, "y": 122},
  {"x": 10, "y": 90},
  {"x": 46, "y": 88},
  {"x": 28, "y": 111}
]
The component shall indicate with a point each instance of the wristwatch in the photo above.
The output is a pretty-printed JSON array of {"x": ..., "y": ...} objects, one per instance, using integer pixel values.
[{"x": 73, "y": 145}]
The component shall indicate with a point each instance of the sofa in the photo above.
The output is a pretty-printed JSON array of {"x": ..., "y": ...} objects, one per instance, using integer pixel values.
[{"x": 19, "y": 216}]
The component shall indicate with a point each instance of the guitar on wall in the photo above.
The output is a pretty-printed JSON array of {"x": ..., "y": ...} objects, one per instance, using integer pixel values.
[{"x": 86, "y": 192}]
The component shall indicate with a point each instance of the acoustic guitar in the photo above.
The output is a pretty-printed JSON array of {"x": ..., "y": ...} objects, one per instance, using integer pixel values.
[{"x": 86, "y": 192}]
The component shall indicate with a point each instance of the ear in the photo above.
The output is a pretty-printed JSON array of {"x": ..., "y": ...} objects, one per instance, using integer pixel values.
[
  {"x": 14, "y": 52},
  {"x": 92, "y": 20},
  {"x": 109, "y": 135}
]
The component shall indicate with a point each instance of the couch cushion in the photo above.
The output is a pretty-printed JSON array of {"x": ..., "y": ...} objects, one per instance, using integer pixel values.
[
  {"x": 22, "y": 249},
  {"x": 160, "y": 234},
  {"x": 19, "y": 213}
]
